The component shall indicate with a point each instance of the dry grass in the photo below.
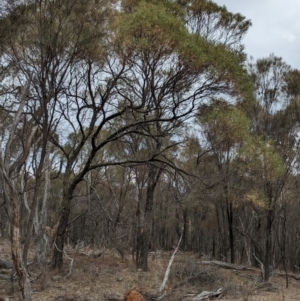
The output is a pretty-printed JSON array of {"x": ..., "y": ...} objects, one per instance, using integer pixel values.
[{"x": 103, "y": 275}]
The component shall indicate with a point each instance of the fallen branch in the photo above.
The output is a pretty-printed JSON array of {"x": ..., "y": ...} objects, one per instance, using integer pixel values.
[
  {"x": 294, "y": 276},
  {"x": 169, "y": 267},
  {"x": 227, "y": 265},
  {"x": 207, "y": 295},
  {"x": 262, "y": 268}
]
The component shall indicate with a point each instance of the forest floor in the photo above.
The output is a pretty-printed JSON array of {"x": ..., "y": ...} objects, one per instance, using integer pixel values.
[{"x": 103, "y": 275}]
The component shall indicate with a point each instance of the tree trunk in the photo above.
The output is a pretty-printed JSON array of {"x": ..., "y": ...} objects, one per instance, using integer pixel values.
[
  {"x": 185, "y": 238},
  {"x": 268, "y": 245},
  {"x": 16, "y": 251},
  {"x": 42, "y": 240},
  {"x": 12, "y": 203},
  {"x": 222, "y": 252},
  {"x": 38, "y": 183},
  {"x": 144, "y": 234},
  {"x": 229, "y": 212},
  {"x": 59, "y": 241},
  {"x": 142, "y": 250},
  {"x": 230, "y": 228},
  {"x": 13, "y": 209}
]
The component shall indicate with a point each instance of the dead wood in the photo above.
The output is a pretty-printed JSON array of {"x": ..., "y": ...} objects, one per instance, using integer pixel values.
[
  {"x": 207, "y": 295},
  {"x": 294, "y": 276},
  {"x": 227, "y": 265},
  {"x": 169, "y": 267}
]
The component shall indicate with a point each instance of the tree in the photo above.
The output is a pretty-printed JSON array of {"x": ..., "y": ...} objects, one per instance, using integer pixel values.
[
  {"x": 276, "y": 129},
  {"x": 226, "y": 130},
  {"x": 39, "y": 44},
  {"x": 11, "y": 162}
]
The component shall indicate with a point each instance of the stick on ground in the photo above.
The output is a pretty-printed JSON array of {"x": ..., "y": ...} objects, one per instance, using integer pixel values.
[{"x": 169, "y": 267}]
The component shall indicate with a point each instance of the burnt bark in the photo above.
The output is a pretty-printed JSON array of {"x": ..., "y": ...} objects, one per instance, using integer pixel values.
[
  {"x": 59, "y": 240},
  {"x": 143, "y": 239},
  {"x": 268, "y": 239},
  {"x": 268, "y": 245}
]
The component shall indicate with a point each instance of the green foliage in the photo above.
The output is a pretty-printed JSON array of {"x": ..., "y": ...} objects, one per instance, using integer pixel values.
[
  {"x": 268, "y": 76},
  {"x": 225, "y": 18},
  {"x": 57, "y": 28},
  {"x": 262, "y": 160},
  {"x": 170, "y": 6},
  {"x": 226, "y": 125},
  {"x": 292, "y": 83},
  {"x": 153, "y": 30},
  {"x": 149, "y": 29}
]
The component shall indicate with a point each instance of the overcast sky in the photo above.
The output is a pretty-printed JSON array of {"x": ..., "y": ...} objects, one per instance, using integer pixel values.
[{"x": 275, "y": 27}]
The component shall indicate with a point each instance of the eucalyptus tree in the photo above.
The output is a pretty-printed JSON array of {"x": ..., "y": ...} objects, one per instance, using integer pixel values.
[
  {"x": 226, "y": 130},
  {"x": 275, "y": 122},
  {"x": 11, "y": 163},
  {"x": 173, "y": 68},
  {"x": 40, "y": 42}
]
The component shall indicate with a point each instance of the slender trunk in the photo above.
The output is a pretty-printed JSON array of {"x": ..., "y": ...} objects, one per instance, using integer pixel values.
[
  {"x": 230, "y": 228},
  {"x": 142, "y": 250},
  {"x": 229, "y": 212},
  {"x": 16, "y": 251},
  {"x": 246, "y": 246},
  {"x": 34, "y": 205},
  {"x": 59, "y": 240},
  {"x": 268, "y": 244},
  {"x": 11, "y": 196},
  {"x": 185, "y": 230},
  {"x": 222, "y": 252},
  {"x": 143, "y": 239},
  {"x": 12, "y": 204},
  {"x": 42, "y": 240},
  {"x": 283, "y": 248}
]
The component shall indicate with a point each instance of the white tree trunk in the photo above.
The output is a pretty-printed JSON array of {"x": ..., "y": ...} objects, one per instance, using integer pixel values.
[
  {"x": 43, "y": 240},
  {"x": 9, "y": 172},
  {"x": 166, "y": 277}
]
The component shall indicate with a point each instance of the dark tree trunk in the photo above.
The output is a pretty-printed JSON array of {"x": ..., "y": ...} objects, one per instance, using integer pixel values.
[
  {"x": 143, "y": 250},
  {"x": 222, "y": 251},
  {"x": 268, "y": 245},
  {"x": 143, "y": 240},
  {"x": 185, "y": 230},
  {"x": 59, "y": 241},
  {"x": 268, "y": 242},
  {"x": 231, "y": 234}
]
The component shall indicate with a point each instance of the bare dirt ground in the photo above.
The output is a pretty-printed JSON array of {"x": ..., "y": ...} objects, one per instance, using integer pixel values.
[{"x": 103, "y": 275}]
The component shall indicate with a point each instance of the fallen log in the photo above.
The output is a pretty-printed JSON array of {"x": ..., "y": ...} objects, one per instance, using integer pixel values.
[
  {"x": 294, "y": 276},
  {"x": 227, "y": 265}
]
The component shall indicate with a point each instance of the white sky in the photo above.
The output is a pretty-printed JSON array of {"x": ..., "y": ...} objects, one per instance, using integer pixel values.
[{"x": 275, "y": 27}]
